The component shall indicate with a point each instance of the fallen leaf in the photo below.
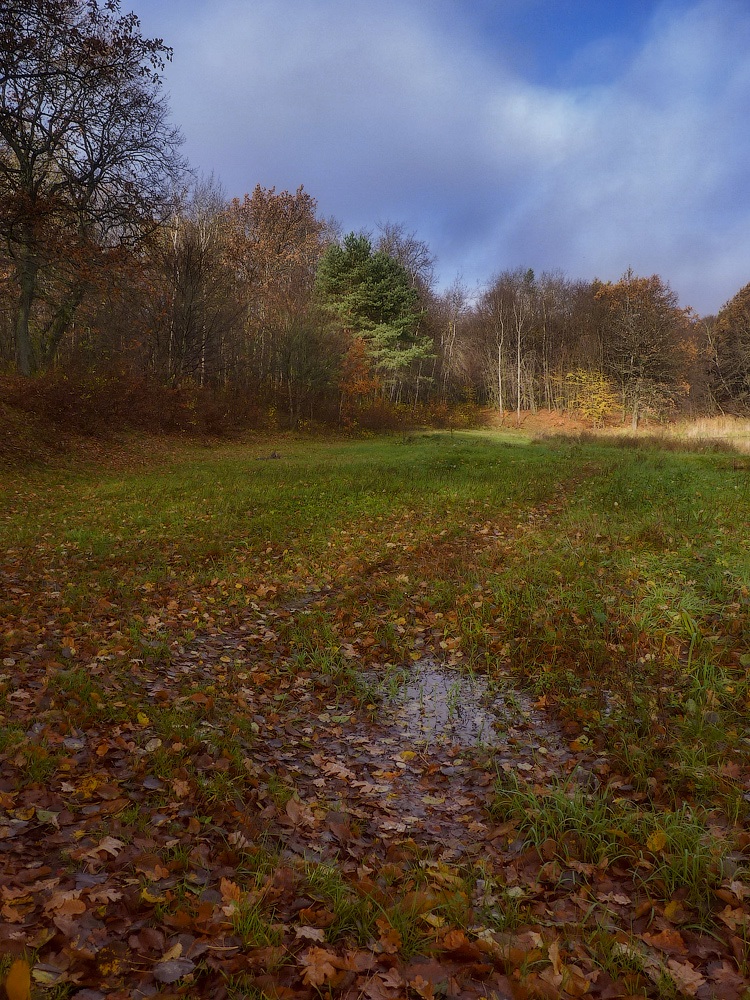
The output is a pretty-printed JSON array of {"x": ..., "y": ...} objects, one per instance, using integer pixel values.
[
  {"x": 676, "y": 913},
  {"x": 151, "y": 866},
  {"x": 18, "y": 981},
  {"x": 310, "y": 933},
  {"x": 668, "y": 941},
  {"x": 687, "y": 980},
  {"x": 230, "y": 891},
  {"x": 657, "y": 841},
  {"x": 454, "y": 940},
  {"x": 422, "y": 987},
  {"x": 390, "y": 939},
  {"x": 66, "y": 902},
  {"x": 553, "y": 953},
  {"x": 318, "y": 966},
  {"x": 111, "y": 845},
  {"x": 172, "y": 970}
]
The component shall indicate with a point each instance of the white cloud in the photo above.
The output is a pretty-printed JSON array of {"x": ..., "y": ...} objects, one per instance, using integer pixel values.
[{"x": 393, "y": 110}]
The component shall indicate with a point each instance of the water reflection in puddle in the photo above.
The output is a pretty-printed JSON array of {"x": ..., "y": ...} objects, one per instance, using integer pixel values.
[{"x": 443, "y": 705}]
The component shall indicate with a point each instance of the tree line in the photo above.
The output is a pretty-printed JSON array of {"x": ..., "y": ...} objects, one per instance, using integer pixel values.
[{"x": 114, "y": 257}]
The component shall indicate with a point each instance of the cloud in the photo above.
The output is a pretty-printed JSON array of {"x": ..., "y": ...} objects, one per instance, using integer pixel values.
[
  {"x": 658, "y": 179},
  {"x": 399, "y": 110}
]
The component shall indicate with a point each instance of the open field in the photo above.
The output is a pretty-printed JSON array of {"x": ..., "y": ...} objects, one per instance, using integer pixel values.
[{"x": 458, "y": 715}]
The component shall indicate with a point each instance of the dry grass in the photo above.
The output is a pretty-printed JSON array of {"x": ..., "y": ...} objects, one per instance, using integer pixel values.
[{"x": 705, "y": 434}]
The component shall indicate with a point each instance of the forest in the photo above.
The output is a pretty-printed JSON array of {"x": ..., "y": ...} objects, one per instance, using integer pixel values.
[{"x": 117, "y": 263}]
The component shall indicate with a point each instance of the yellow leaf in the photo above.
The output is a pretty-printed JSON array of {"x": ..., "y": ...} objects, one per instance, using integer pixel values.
[
  {"x": 142, "y": 719},
  {"x": 657, "y": 841},
  {"x": 18, "y": 983},
  {"x": 149, "y": 897}
]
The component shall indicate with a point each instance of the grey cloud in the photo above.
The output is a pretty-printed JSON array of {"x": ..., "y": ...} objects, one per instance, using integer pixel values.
[{"x": 396, "y": 111}]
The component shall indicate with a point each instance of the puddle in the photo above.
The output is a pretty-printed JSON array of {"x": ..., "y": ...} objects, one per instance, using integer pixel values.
[{"x": 442, "y": 705}]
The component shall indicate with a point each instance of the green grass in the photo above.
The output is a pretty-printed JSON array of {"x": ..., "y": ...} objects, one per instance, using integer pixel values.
[
  {"x": 669, "y": 852},
  {"x": 611, "y": 582}
]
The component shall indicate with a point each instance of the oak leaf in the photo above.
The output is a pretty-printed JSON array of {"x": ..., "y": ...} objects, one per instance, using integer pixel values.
[
  {"x": 66, "y": 902},
  {"x": 319, "y": 966},
  {"x": 111, "y": 845},
  {"x": 676, "y": 913},
  {"x": 668, "y": 941},
  {"x": 230, "y": 891},
  {"x": 316, "y": 916},
  {"x": 423, "y": 987},
  {"x": 687, "y": 980},
  {"x": 172, "y": 970},
  {"x": 390, "y": 939}
]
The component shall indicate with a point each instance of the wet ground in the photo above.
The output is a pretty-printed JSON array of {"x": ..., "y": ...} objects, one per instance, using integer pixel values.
[{"x": 423, "y": 765}]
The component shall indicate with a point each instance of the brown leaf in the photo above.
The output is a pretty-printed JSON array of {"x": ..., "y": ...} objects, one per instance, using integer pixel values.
[
  {"x": 390, "y": 939},
  {"x": 110, "y": 845},
  {"x": 424, "y": 988},
  {"x": 316, "y": 916},
  {"x": 668, "y": 941},
  {"x": 318, "y": 965},
  {"x": 230, "y": 891},
  {"x": 65, "y": 901},
  {"x": 676, "y": 913},
  {"x": 553, "y": 953},
  {"x": 151, "y": 866},
  {"x": 454, "y": 939},
  {"x": 393, "y": 979},
  {"x": 295, "y": 811},
  {"x": 688, "y": 981},
  {"x": 733, "y": 918},
  {"x": 458, "y": 944}
]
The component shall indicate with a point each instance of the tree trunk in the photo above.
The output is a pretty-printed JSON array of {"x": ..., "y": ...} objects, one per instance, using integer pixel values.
[
  {"x": 518, "y": 376},
  {"x": 500, "y": 380},
  {"x": 27, "y": 274},
  {"x": 60, "y": 325}
]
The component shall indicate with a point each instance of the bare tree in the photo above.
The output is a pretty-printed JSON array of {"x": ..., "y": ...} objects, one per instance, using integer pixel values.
[
  {"x": 88, "y": 158},
  {"x": 412, "y": 253}
]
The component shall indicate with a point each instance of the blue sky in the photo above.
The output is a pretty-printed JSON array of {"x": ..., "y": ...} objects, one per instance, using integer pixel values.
[{"x": 585, "y": 136}]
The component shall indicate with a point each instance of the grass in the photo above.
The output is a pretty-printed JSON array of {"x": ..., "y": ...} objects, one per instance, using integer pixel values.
[
  {"x": 611, "y": 582},
  {"x": 668, "y": 852}
]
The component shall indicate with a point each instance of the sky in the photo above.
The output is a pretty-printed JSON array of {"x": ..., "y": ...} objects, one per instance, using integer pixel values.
[{"x": 580, "y": 136}]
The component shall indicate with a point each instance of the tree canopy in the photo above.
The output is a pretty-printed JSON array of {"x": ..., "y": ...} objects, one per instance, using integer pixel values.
[
  {"x": 371, "y": 296},
  {"x": 88, "y": 158}
]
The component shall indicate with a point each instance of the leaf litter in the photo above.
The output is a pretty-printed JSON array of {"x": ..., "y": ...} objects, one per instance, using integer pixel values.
[{"x": 218, "y": 817}]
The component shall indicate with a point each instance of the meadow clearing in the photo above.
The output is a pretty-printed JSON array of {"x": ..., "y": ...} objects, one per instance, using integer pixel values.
[{"x": 429, "y": 714}]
